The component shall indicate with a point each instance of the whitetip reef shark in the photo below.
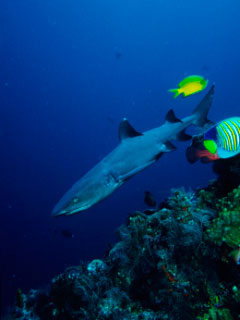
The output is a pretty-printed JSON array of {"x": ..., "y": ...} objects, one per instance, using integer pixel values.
[{"x": 135, "y": 152}]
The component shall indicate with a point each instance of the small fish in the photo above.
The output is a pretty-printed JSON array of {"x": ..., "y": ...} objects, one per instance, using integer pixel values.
[
  {"x": 190, "y": 85},
  {"x": 118, "y": 55},
  {"x": 221, "y": 141},
  {"x": 67, "y": 234},
  {"x": 149, "y": 199}
]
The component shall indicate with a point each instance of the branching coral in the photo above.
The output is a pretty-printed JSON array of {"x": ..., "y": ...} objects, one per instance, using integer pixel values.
[
  {"x": 174, "y": 263},
  {"x": 226, "y": 227}
]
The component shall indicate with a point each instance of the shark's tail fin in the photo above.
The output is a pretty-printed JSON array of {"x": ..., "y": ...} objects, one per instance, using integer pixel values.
[{"x": 201, "y": 111}]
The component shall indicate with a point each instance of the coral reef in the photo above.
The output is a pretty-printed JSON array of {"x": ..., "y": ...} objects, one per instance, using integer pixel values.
[{"x": 177, "y": 262}]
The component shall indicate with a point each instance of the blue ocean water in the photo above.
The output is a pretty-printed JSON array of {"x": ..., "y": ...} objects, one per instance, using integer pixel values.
[{"x": 70, "y": 71}]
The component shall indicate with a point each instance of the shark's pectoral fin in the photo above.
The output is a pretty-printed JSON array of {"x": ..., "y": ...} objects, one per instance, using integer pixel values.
[
  {"x": 158, "y": 156},
  {"x": 124, "y": 177},
  {"x": 168, "y": 147},
  {"x": 170, "y": 117},
  {"x": 127, "y": 131},
  {"x": 183, "y": 136}
]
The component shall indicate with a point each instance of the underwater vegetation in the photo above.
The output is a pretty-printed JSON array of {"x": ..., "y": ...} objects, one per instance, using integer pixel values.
[{"x": 180, "y": 261}]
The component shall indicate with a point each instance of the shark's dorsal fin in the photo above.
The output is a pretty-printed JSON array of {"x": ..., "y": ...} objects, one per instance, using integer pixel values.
[
  {"x": 170, "y": 117},
  {"x": 127, "y": 131}
]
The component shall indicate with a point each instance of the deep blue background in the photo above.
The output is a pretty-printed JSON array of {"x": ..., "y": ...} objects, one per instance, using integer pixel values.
[{"x": 62, "y": 96}]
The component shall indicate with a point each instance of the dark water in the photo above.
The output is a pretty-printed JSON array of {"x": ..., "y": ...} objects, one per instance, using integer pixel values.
[{"x": 69, "y": 72}]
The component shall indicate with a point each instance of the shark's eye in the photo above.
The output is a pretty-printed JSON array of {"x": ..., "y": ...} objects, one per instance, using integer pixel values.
[{"x": 210, "y": 145}]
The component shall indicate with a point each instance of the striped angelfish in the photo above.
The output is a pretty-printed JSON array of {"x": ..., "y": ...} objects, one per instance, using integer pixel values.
[
  {"x": 219, "y": 142},
  {"x": 228, "y": 137}
]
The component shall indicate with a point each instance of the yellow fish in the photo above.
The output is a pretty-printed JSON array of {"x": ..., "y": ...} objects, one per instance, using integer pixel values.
[{"x": 190, "y": 85}]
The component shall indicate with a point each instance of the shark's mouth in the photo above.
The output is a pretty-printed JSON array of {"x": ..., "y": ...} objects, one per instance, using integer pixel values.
[
  {"x": 78, "y": 210},
  {"x": 72, "y": 209},
  {"x": 68, "y": 212}
]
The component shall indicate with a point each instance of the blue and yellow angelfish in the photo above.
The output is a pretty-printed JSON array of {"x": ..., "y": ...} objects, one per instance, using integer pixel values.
[{"x": 219, "y": 142}]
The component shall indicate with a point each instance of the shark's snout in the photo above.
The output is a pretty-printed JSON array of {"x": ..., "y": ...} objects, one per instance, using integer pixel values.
[
  {"x": 72, "y": 205},
  {"x": 86, "y": 193},
  {"x": 69, "y": 210}
]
